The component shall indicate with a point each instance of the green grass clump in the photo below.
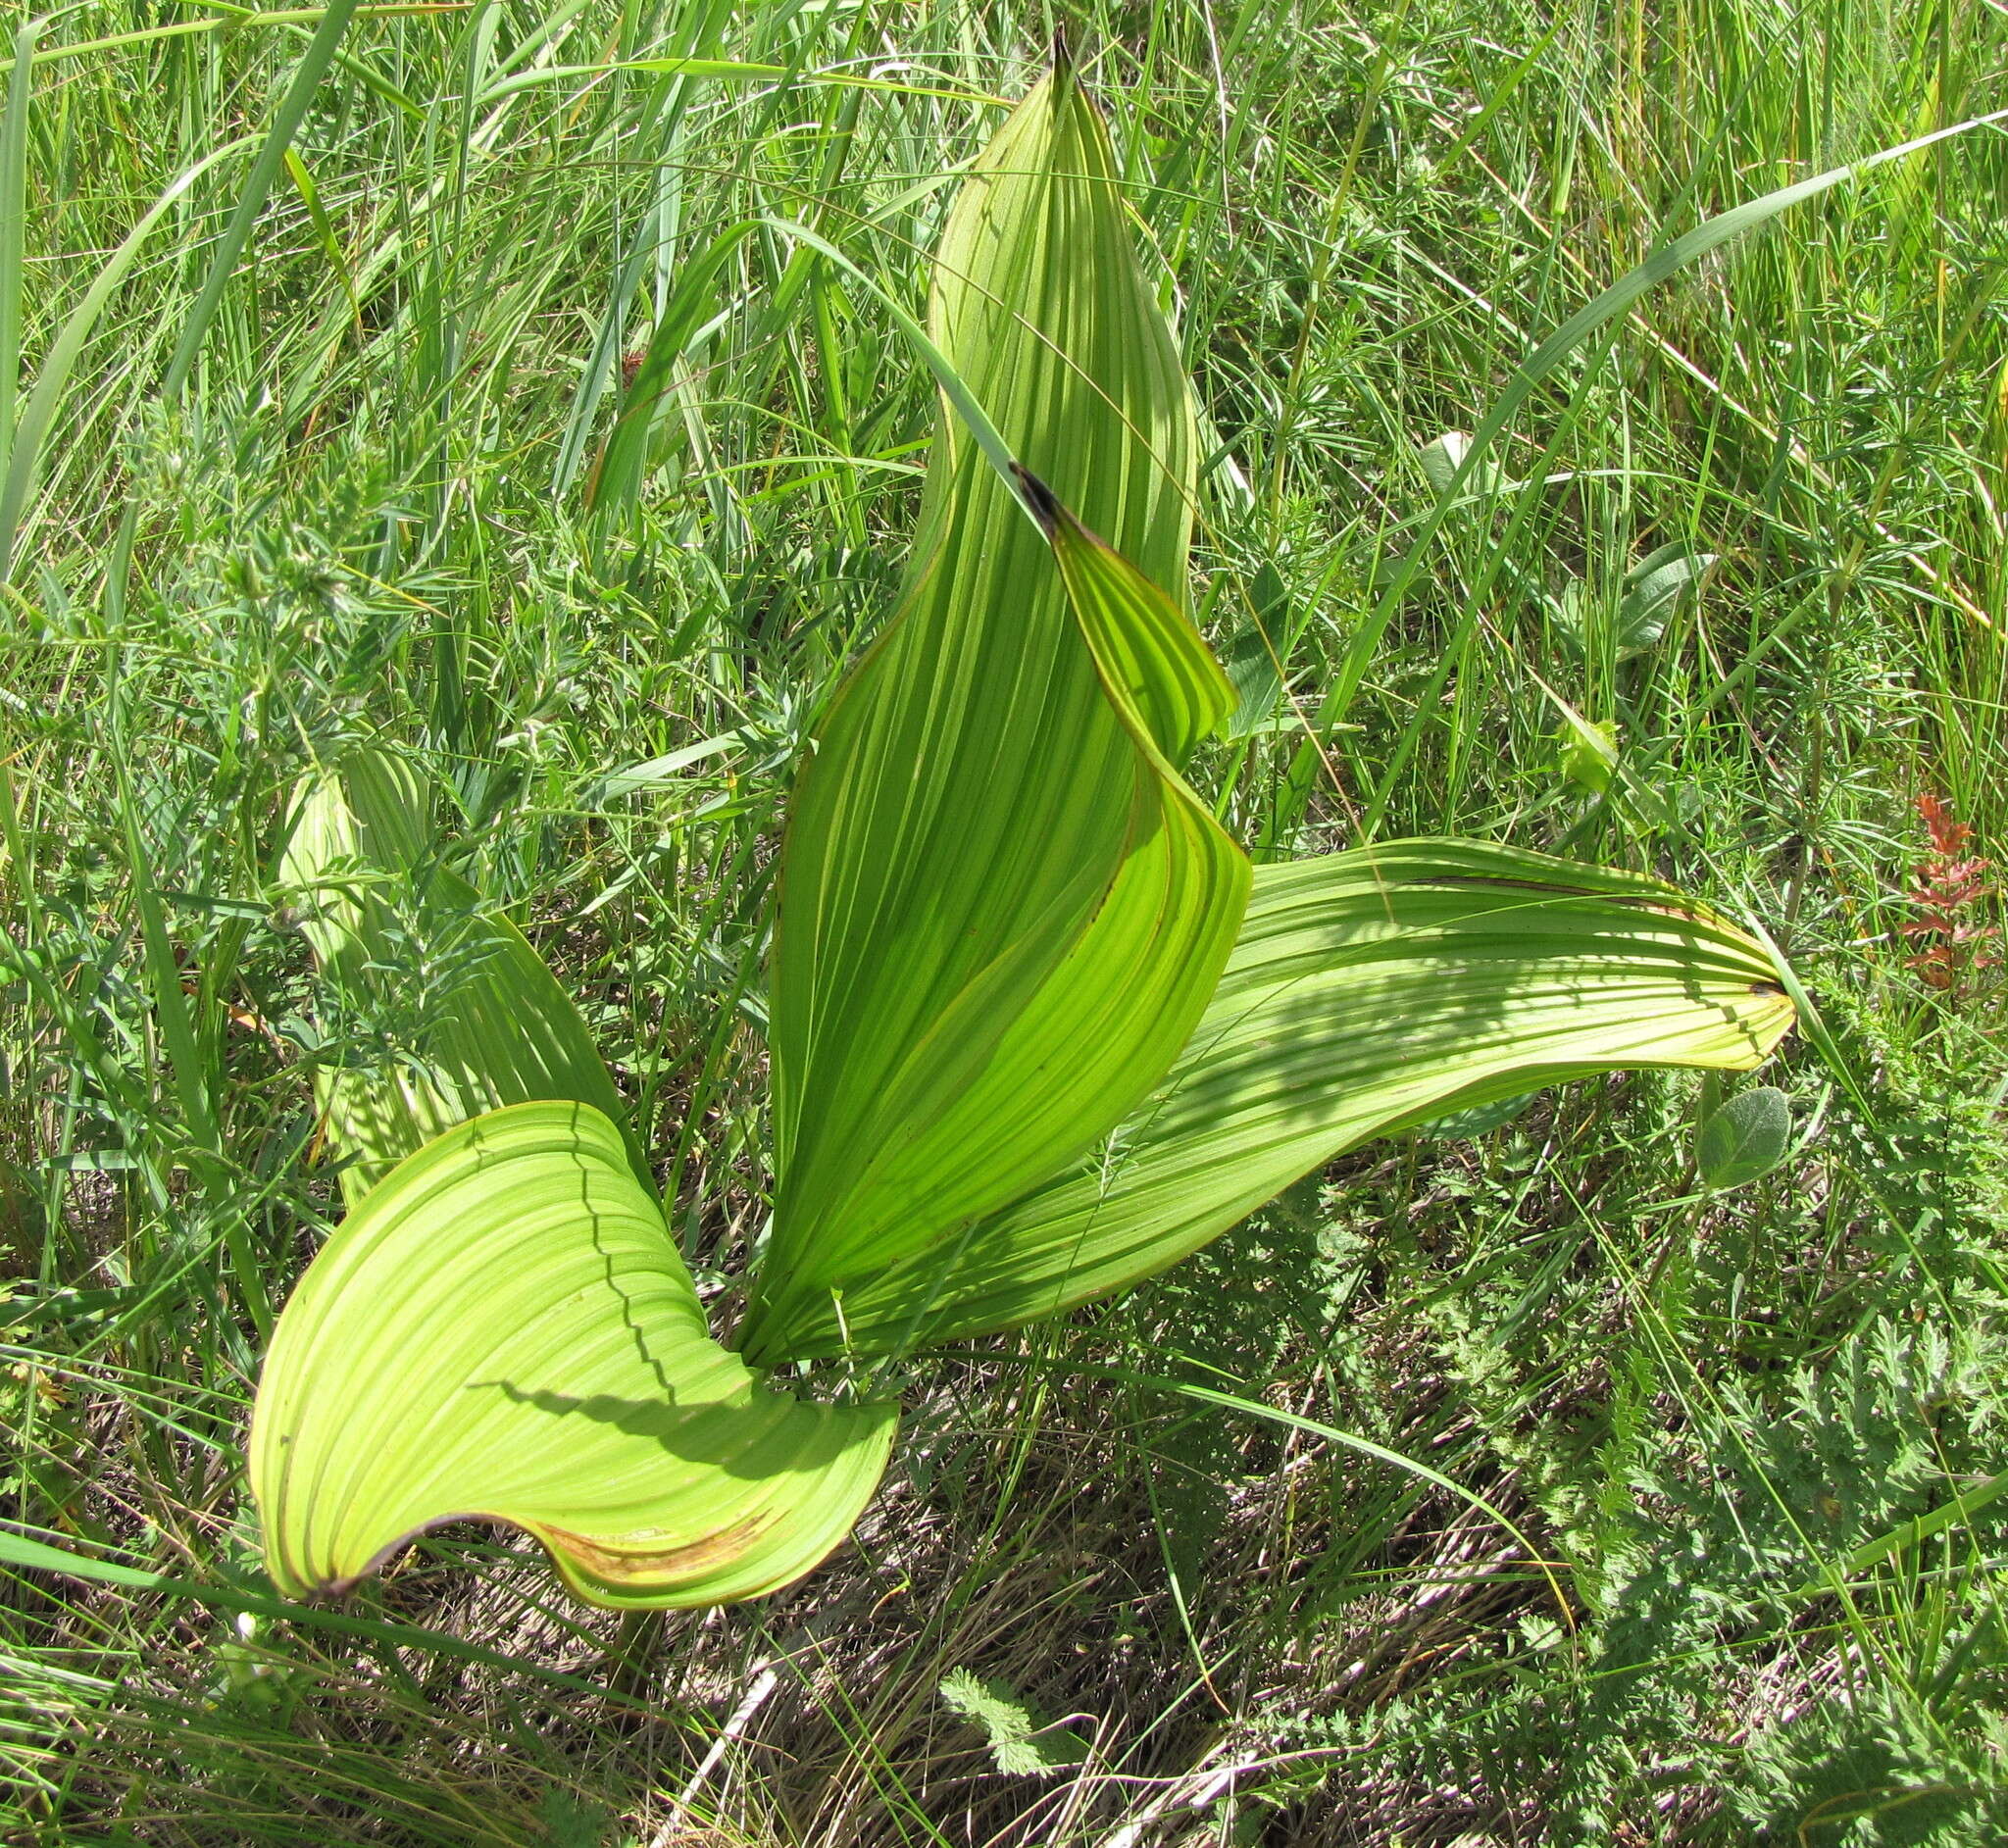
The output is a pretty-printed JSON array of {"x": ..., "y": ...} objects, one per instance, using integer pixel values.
[{"x": 317, "y": 473}]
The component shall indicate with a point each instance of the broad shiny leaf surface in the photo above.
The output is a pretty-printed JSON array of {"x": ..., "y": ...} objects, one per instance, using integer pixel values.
[
  {"x": 1368, "y": 990},
  {"x": 992, "y": 938},
  {"x": 504, "y": 1329}
]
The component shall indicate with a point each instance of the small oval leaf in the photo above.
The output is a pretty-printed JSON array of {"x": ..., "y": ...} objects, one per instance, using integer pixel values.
[
  {"x": 1745, "y": 1139},
  {"x": 1654, "y": 589}
]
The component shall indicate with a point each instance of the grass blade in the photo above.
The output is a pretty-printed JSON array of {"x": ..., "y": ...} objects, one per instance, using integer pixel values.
[
  {"x": 1540, "y": 365},
  {"x": 23, "y": 455},
  {"x": 14, "y": 225},
  {"x": 258, "y": 184}
]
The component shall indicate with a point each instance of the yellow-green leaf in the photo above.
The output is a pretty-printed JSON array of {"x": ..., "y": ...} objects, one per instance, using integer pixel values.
[
  {"x": 505, "y": 1330},
  {"x": 997, "y": 921},
  {"x": 1368, "y": 990},
  {"x": 403, "y": 939}
]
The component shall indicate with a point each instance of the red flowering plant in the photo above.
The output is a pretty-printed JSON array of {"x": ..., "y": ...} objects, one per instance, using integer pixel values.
[{"x": 1952, "y": 887}]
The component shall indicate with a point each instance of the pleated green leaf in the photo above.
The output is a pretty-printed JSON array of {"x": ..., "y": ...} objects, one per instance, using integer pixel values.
[
  {"x": 1155, "y": 669},
  {"x": 998, "y": 919},
  {"x": 400, "y": 938},
  {"x": 505, "y": 1330},
  {"x": 1367, "y": 990}
]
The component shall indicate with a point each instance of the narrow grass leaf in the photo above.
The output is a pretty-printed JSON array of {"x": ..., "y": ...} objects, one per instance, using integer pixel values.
[
  {"x": 258, "y": 184},
  {"x": 1964, "y": 1505},
  {"x": 1542, "y": 363},
  {"x": 955, "y": 390},
  {"x": 616, "y": 479},
  {"x": 14, "y": 220},
  {"x": 23, "y": 1553},
  {"x": 22, "y": 457},
  {"x": 310, "y": 197}
]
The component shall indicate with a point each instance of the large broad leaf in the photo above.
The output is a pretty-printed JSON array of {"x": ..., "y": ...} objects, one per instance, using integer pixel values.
[
  {"x": 476, "y": 1018},
  {"x": 1167, "y": 691},
  {"x": 1368, "y": 990},
  {"x": 996, "y": 925},
  {"x": 505, "y": 1330}
]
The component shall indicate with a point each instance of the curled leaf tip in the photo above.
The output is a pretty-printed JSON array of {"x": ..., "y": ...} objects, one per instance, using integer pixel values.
[
  {"x": 1062, "y": 53},
  {"x": 1043, "y": 503}
]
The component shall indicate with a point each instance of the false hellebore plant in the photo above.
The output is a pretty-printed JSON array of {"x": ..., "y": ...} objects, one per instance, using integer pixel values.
[{"x": 1037, "y": 1026}]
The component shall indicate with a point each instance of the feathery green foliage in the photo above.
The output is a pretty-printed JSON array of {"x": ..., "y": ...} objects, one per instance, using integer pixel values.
[{"x": 485, "y": 1023}]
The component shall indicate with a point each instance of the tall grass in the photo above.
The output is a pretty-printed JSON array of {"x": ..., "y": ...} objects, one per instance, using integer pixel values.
[{"x": 319, "y": 471}]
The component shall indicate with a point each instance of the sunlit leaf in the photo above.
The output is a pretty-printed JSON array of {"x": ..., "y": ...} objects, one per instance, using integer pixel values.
[
  {"x": 1586, "y": 750},
  {"x": 993, "y": 934},
  {"x": 1168, "y": 919},
  {"x": 505, "y": 1330},
  {"x": 1368, "y": 991},
  {"x": 1020, "y": 1742},
  {"x": 1745, "y": 1138}
]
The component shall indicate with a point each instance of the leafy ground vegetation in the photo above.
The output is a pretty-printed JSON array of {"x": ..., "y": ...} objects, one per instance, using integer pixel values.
[{"x": 310, "y": 443}]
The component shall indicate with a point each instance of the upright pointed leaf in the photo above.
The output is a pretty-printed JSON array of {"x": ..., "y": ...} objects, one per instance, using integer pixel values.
[
  {"x": 1367, "y": 991},
  {"x": 505, "y": 1330},
  {"x": 405, "y": 940},
  {"x": 988, "y": 943},
  {"x": 1156, "y": 671},
  {"x": 1165, "y": 928}
]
